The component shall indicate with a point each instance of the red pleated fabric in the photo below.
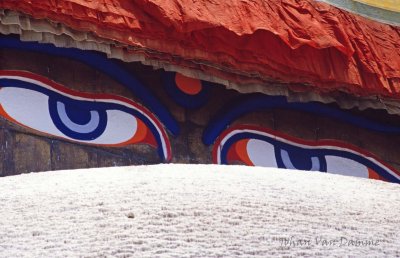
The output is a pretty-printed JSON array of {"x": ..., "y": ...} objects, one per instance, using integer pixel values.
[{"x": 292, "y": 41}]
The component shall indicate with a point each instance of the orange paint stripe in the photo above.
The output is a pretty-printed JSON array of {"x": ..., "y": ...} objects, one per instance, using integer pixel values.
[
  {"x": 4, "y": 114},
  {"x": 241, "y": 150},
  {"x": 373, "y": 175}
]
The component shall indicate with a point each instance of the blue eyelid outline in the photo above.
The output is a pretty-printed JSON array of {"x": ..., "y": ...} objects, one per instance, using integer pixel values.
[
  {"x": 106, "y": 66},
  {"x": 257, "y": 102},
  {"x": 315, "y": 151}
]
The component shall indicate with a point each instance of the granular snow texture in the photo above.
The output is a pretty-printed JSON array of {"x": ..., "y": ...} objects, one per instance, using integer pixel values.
[{"x": 197, "y": 211}]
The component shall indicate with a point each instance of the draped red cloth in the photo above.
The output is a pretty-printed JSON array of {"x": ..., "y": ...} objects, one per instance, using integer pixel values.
[{"x": 292, "y": 41}]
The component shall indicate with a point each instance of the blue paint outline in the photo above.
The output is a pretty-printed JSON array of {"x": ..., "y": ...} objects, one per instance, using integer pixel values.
[
  {"x": 257, "y": 102},
  {"x": 320, "y": 152},
  {"x": 106, "y": 66},
  {"x": 183, "y": 99},
  {"x": 95, "y": 105}
]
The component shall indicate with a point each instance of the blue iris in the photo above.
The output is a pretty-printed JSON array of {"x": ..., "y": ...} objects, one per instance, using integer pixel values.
[
  {"x": 79, "y": 120},
  {"x": 292, "y": 157}
]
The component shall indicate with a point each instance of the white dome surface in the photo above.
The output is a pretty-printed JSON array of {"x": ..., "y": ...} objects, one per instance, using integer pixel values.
[{"x": 197, "y": 211}]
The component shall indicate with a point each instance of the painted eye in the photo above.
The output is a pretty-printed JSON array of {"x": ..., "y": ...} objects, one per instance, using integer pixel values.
[
  {"x": 99, "y": 119},
  {"x": 256, "y": 152},
  {"x": 256, "y": 146}
]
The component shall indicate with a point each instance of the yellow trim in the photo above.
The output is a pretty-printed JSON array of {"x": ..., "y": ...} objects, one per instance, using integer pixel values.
[{"x": 391, "y": 5}]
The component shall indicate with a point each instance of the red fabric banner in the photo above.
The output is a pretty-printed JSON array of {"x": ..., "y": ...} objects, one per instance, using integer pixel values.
[{"x": 292, "y": 41}]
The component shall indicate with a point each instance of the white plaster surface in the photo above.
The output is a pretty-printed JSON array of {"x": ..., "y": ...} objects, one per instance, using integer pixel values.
[{"x": 196, "y": 211}]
